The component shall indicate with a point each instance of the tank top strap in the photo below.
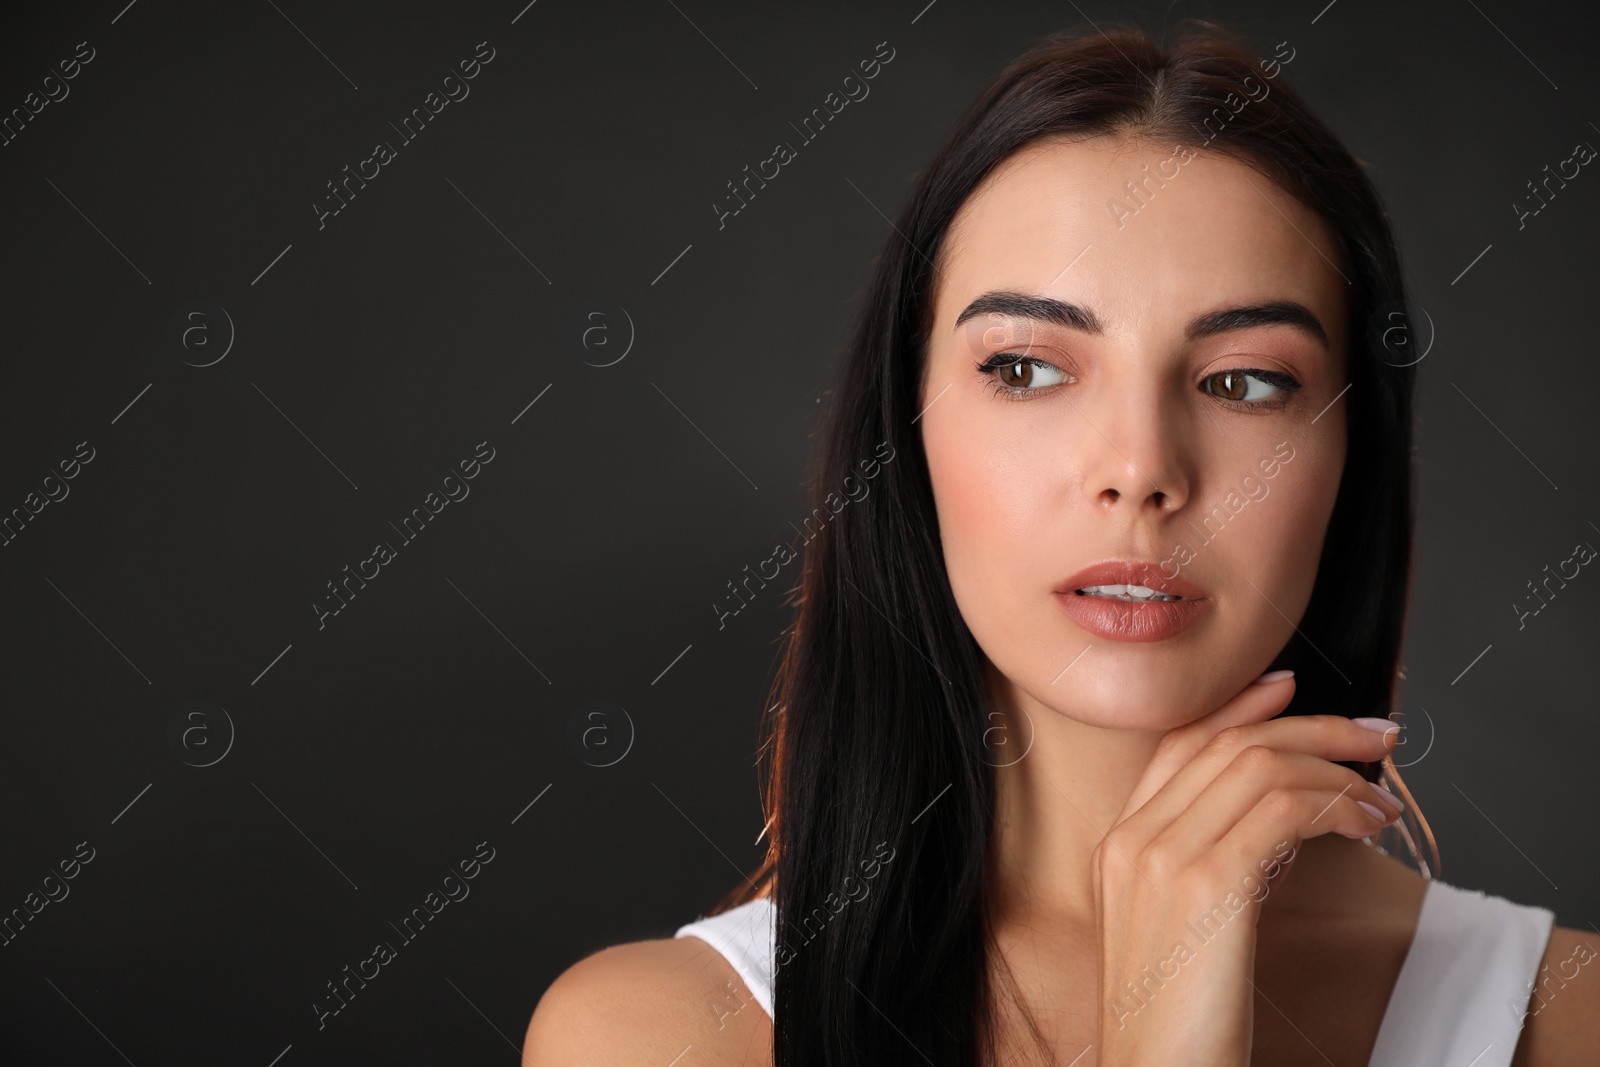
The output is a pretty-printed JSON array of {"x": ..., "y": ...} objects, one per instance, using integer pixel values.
[
  {"x": 1464, "y": 988},
  {"x": 1461, "y": 996},
  {"x": 746, "y": 937}
]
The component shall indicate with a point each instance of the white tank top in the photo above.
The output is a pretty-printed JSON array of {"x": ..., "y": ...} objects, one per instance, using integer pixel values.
[{"x": 1459, "y": 998}]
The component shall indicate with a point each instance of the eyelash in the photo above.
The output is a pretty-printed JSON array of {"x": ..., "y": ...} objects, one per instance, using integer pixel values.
[{"x": 1286, "y": 385}]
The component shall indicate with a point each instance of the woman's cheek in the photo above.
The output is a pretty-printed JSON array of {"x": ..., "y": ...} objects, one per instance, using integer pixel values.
[
  {"x": 962, "y": 500},
  {"x": 1286, "y": 536},
  {"x": 988, "y": 562}
]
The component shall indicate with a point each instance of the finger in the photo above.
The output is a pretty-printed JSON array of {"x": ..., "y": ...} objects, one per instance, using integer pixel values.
[
  {"x": 1254, "y": 774},
  {"x": 1260, "y": 700},
  {"x": 1290, "y": 816},
  {"x": 1254, "y": 703},
  {"x": 1325, "y": 737}
]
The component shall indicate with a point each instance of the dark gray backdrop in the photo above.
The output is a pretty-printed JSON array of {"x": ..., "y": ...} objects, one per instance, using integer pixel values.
[{"x": 263, "y": 795}]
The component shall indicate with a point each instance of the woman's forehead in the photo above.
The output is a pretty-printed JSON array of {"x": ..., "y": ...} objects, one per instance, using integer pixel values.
[{"x": 1142, "y": 231}]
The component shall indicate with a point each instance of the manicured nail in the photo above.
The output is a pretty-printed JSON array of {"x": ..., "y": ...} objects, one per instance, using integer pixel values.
[
  {"x": 1381, "y": 726},
  {"x": 1273, "y": 676},
  {"x": 1390, "y": 797},
  {"x": 1374, "y": 812}
]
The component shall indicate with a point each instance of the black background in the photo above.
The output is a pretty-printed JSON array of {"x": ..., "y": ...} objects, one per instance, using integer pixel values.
[{"x": 572, "y": 189}]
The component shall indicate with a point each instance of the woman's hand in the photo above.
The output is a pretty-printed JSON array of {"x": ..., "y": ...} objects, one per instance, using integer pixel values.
[{"x": 1179, "y": 878}]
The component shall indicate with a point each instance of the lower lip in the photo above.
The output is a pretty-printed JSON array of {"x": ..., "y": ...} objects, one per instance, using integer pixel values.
[{"x": 1123, "y": 620}]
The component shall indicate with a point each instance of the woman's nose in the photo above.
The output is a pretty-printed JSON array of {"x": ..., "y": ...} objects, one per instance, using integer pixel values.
[{"x": 1136, "y": 455}]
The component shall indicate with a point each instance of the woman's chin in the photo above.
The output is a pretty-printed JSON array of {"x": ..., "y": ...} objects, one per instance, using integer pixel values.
[{"x": 1144, "y": 704}]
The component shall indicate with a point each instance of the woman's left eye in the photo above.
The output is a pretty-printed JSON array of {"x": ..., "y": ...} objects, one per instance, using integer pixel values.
[{"x": 1245, "y": 387}]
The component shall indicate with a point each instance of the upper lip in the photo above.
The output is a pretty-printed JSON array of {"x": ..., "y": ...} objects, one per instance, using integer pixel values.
[{"x": 1131, "y": 572}]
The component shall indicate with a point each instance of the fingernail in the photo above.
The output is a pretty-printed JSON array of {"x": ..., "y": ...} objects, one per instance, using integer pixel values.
[
  {"x": 1374, "y": 812},
  {"x": 1381, "y": 726},
  {"x": 1390, "y": 797},
  {"x": 1273, "y": 676}
]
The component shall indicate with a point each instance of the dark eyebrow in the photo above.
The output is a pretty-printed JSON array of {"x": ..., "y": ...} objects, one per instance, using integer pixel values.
[
  {"x": 1274, "y": 313},
  {"x": 1029, "y": 306},
  {"x": 1065, "y": 313}
]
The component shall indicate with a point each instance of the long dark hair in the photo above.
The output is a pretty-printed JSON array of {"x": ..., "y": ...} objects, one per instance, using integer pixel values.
[{"x": 878, "y": 780}]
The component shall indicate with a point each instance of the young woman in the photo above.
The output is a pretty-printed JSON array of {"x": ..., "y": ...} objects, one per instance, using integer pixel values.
[{"x": 1123, "y": 440}]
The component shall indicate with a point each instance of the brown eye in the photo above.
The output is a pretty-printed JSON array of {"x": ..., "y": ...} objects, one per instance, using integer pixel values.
[
  {"x": 1015, "y": 375},
  {"x": 1018, "y": 375},
  {"x": 1251, "y": 387},
  {"x": 1233, "y": 385}
]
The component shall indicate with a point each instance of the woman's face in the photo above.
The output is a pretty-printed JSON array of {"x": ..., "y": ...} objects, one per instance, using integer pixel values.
[{"x": 1179, "y": 408}]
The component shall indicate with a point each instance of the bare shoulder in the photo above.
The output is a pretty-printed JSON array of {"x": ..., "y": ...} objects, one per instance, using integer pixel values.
[
  {"x": 648, "y": 1002},
  {"x": 1562, "y": 1025}
]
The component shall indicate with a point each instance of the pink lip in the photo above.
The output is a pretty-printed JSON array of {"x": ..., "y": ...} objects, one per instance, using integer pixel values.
[
  {"x": 1123, "y": 572},
  {"x": 1118, "y": 620}
]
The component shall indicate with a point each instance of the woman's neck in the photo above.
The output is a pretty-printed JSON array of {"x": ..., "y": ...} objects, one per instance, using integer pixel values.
[
  {"x": 1053, "y": 807},
  {"x": 1055, "y": 804}
]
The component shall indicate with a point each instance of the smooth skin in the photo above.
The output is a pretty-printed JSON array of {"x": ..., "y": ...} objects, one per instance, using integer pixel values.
[{"x": 1155, "y": 782}]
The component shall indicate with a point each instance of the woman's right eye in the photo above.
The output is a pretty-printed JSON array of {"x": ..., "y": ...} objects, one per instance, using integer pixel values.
[{"x": 1014, "y": 375}]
